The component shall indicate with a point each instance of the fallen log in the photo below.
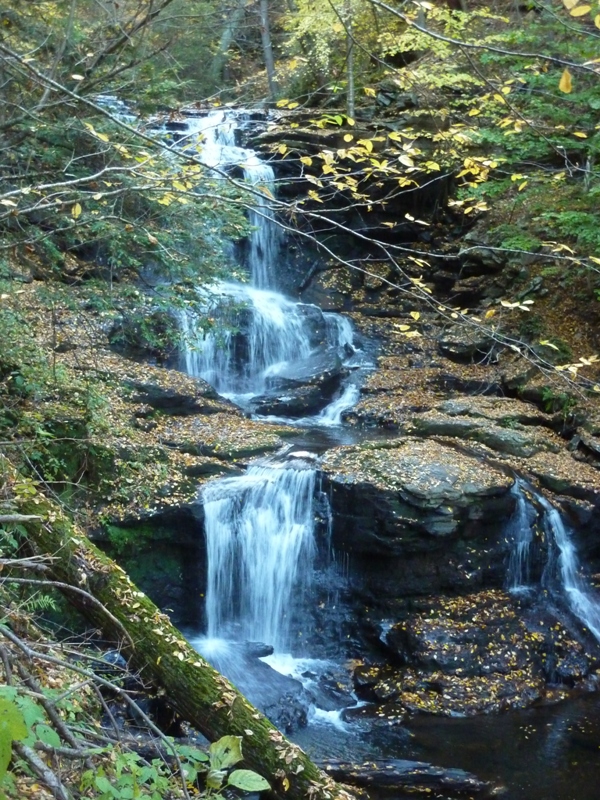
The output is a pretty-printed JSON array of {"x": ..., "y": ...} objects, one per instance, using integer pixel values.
[
  {"x": 162, "y": 656},
  {"x": 408, "y": 776}
]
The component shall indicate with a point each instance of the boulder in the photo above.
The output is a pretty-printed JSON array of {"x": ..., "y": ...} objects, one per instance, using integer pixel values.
[{"x": 397, "y": 497}]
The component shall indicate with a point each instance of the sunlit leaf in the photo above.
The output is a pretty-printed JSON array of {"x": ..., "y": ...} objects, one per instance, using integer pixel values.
[
  {"x": 225, "y": 752},
  {"x": 546, "y": 343},
  {"x": 248, "y": 781},
  {"x": 580, "y": 134},
  {"x": 580, "y": 11},
  {"x": 566, "y": 84},
  {"x": 76, "y": 211}
]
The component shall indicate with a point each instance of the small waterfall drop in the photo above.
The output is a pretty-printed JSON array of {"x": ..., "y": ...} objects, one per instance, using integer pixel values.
[
  {"x": 520, "y": 534},
  {"x": 259, "y": 532},
  {"x": 260, "y": 331},
  {"x": 564, "y": 571}
]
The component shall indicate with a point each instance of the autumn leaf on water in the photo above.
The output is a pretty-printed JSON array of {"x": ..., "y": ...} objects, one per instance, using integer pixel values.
[{"x": 565, "y": 84}]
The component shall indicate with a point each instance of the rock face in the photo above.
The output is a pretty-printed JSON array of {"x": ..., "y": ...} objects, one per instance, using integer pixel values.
[{"x": 418, "y": 506}]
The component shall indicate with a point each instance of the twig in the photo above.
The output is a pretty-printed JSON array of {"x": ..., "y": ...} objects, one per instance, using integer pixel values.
[
  {"x": 35, "y": 654},
  {"x": 5, "y": 518},
  {"x": 4, "y": 655},
  {"x": 43, "y": 772},
  {"x": 48, "y": 707},
  {"x": 66, "y": 587}
]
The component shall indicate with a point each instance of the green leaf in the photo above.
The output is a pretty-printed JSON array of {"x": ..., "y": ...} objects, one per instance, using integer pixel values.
[
  {"x": 12, "y": 721},
  {"x": 226, "y": 752},
  {"x": 248, "y": 781},
  {"x": 47, "y": 735},
  {"x": 12, "y": 726},
  {"x": 215, "y": 778}
]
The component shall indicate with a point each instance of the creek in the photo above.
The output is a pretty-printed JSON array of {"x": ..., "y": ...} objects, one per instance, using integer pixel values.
[{"x": 276, "y": 590}]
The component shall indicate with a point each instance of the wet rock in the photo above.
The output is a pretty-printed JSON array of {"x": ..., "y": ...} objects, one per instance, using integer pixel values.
[
  {"x": 394, "y": 498},
  {"x": 303, "y": 389},
  {"x": 198, "y": 397},
  {"x": 408, "y": 776},
  {"x": 463, "y": 344}
]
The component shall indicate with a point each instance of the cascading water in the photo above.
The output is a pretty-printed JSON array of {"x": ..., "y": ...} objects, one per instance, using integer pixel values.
[
  {"x": 520, "y": 534},
  {"x": 563, "y": 570},
  {"x": 275, "y": 332},
  {"x": 562, "y": 573},
  {"x": 260, "y": 336},
  {"x": 259, "y": 534}
]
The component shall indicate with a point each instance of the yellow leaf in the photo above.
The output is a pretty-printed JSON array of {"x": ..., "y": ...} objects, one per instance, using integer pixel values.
[
  {"x": 282, "y": 149},
  {"x": 569, "y": 4},
  {"x": 350, "y": 121},
  {"x": 415, "y": 315},
  {"x": 406, "y": 160},
  {"x": 412, "y": 334},
  {"x": 522, "y": 186},
  {"x": 282, "y": 103},
  {"x": 306, "y": 160},
  {"x": 402, "y": 328},
  {"x": 76, "y": 211},
  {"x": 597, "y": 24},
  {"x": 369, "y": 92},
  {"x": 566, "y": 84},
  {"x": 152, "y": 239},
  {"x": 98, "y": 196},
  {"x": 596, "y": 388},
  {"x": 474, "y": 111},
  {"x": 286, "y": 784},
  {"x": 490, "y": 313},
  {"x": 291, "y": 106},
  {"x": 546, "y": 343},
  {"x": 77, "y": 77},
  {"x": 348, "y": 137},
  {"x": 579, "y": 11},
  {"x": 580, "y": 134},
  {"x": 6, "y": 202}
]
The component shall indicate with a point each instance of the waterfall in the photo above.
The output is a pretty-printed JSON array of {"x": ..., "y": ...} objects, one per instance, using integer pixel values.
[
  {"x": 563, "y": 570},
  {"x": 259, "y": 332},
  {"x": 259, "y": 533},
  {"x": 260, "y": 341},
  {"x": 520, "y": 534},
  {"x": 213, "y": 137},
  {"x": 562, "y": 573}
]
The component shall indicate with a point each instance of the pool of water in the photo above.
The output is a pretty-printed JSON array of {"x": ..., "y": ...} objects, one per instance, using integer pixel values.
[{"x": 546, "y": 753}]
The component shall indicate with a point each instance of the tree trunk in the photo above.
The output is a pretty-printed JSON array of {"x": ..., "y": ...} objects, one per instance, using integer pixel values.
[
  {"x": 350, "y": 94},
  {"x": 234, "y": 20},
  {"x": 265, "y": 34},
  {"x": 158, "y": 650}
]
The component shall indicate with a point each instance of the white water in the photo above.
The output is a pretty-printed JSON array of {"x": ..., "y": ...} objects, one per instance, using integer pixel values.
[
  {"x": 562, "y": 573},
  {"x": 213, "y": 139},
  {"x": 583, "y": 602},
  {"x": 275, "y": 333},
  {"x": 259, "y": 334},
  {"x": 520, "y": 534},
  {"x": 259, "y": 533}
]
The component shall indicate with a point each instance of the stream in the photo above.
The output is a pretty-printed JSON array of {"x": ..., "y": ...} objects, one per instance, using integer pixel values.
[{"x": 270, "y": 560}]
